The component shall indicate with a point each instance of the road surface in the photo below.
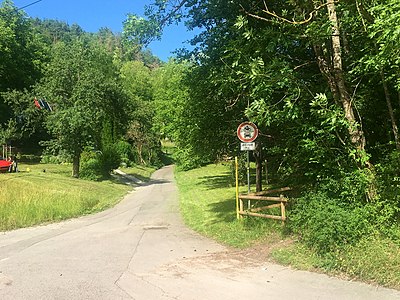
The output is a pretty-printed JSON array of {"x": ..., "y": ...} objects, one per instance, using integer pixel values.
[{"x": 141, "y": 250}]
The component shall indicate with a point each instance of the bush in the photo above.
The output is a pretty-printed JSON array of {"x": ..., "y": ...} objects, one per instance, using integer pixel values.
[
  {"x": 61, "y": 157},
  {"x": 98, "y": 165},
  {"x": 124, "y": 150},
  {"x": 29, "y": 158},
  {"x": 389, "y": 184},
  {"x": 109, "y": 160},
  {"x": 326, "y": 224},
  {"x": 91, "y": 169},
  {"x": 186, "y": 159}
]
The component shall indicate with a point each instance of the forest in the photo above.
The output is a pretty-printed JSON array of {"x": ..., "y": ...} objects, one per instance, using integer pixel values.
[{"x": 320, "y": 78}]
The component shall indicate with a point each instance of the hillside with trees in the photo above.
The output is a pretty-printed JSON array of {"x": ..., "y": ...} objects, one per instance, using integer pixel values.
[
  {"x": 74, "y": 96},
  {"x": 320, "y": 78}
]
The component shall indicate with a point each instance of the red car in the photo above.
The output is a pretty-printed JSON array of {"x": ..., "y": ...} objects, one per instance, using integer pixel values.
[{"x": 5, "y": 165}]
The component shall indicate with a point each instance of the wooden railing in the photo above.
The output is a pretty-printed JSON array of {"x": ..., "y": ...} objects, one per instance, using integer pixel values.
[{"x": 258, "y": 211}]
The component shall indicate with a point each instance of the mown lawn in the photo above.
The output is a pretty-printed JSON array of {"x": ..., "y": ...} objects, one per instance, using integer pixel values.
[
  {"x": 42, "y": 193},
  {"x": 208, "y": 206}
]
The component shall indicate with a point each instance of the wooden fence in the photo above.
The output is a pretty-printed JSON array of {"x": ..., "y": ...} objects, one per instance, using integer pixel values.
[{"x": 255, "y": 199}]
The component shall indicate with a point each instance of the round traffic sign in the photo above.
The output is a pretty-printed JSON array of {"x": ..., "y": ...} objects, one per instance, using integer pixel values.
[{"x": 247, "y": 132}]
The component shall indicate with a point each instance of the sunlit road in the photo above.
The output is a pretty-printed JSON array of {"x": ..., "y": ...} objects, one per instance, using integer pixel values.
[{"x": 141, "y": 250}]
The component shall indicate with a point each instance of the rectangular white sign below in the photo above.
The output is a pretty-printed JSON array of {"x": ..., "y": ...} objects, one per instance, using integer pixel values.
[{"x": 247, "y": 146}]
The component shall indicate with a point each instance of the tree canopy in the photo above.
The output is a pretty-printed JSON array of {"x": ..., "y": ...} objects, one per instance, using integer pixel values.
[
  {"x": 319, "y": 78},
  {"x": 90, "y": 90}
]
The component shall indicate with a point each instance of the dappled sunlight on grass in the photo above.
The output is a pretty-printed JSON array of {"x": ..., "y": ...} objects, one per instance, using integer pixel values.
[
  {"x": 207, "y": 199},
  {"x": 208, "y": 206}
]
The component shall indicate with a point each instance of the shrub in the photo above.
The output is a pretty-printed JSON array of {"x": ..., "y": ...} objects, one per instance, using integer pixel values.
[
  {"x": 326, "y": 224},
  {"x": 124, "y": 150},
  {"x": 61, "y": 157},
  {"x": 98, "y": 165},
  {"x": 389, "y": 184},
  {"x": 109, "y": 159},
  {"x": 187, "y": 159},
  {"x": 91, "y": 169}
]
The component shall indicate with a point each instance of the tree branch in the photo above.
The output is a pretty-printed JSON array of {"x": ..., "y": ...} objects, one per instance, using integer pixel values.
[
  {"x": 273, "y": 14},
  {"x": 174, "y": 10}
]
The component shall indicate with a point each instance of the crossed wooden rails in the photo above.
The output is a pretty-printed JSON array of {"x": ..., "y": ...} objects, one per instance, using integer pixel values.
[{"x": 279, "y": 201}]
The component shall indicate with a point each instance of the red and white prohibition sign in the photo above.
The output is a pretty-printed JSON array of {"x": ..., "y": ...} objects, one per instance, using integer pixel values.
[{"x": 247, "y": 132}]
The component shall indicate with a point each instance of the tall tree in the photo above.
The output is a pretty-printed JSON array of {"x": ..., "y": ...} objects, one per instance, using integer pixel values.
[
  {"x": 137, "y": 82},
  {"x": 80, "y": 83},
  {"x": 21, "y": 56}
]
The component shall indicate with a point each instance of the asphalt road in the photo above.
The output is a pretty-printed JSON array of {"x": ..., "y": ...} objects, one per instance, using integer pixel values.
[{"x": 141, "y": 250}]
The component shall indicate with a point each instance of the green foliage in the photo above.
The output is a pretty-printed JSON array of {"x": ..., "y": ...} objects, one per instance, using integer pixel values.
[
  {"x": 22, "y": 55},
  {"x": 187, "y": 159},
  {"x": 109, "y": 159},
  {"x": 8, "y": 132},
  {"x": 91, "y": 169},
  {"x": 170, "y": 95},
  {"x": 374, "y": 258},
  {"x": 140, "y": 31},
  {"x": 137, "y": 82},
  {"x": 124, "y": 151},
  {"x": 242, "y": 172},
  {"x": 95, "y": 89},
  {"x": 60, "y": 158},
  {"x": 326, "y": 224},
  {"x": 19, "y": 47},
  {"x": 389, "y": 186},
  {"x": 79, "y": 77},
  {"x": 384, "y": 32},
  {"x": 97, "y": 165}
]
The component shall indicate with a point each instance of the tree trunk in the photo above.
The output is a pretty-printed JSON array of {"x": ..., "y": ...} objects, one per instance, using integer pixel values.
[
  {"x": 75, "y": 164},
  {"x": 258, "y": 158},
  {"x": 395, "y": 130},
  {"x": 356, "y": 134},
  {"x": 139, "y": 149}
]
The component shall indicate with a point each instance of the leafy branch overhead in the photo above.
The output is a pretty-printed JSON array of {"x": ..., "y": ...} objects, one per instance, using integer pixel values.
[
  {"x": 141, "y": 31},
  {"x": 307, "y": 16}
]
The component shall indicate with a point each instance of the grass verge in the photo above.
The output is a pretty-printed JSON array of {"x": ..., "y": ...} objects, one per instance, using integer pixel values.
[
  {"x": 208, "y": 206},
  {"x": 42, "y": 193}
]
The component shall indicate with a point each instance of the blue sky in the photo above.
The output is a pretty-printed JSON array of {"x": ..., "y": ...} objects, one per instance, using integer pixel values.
[{"x": 94, "y": 14}]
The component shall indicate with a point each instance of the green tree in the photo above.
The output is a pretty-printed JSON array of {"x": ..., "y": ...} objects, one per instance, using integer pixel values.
[
  {"x": 137, "y": 82},
  {"x": 21, "y": 57},
  {"x": 81, "y": 84},
  {"x": 170, "y": 95},
  {"x": 265, "y": 61}
]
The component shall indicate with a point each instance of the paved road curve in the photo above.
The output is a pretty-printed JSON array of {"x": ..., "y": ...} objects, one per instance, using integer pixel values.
[{"x": 141, "y": 250}]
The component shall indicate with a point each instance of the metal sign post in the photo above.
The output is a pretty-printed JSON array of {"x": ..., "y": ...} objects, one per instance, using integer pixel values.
[
  {"x": 248, "y": 172},
  {"x": 247, "y": 132}
]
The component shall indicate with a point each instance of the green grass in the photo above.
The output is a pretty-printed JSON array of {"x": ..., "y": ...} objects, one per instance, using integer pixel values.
[
  {"x": 208, "y": 206},
  {"x": 374, "y": 259},
  {"x": 42, "y": 193},
  {"x": 141, "y": 172}
]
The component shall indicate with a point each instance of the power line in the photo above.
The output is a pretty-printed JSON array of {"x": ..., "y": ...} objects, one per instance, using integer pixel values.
[{"x": 29, "y": 4}]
